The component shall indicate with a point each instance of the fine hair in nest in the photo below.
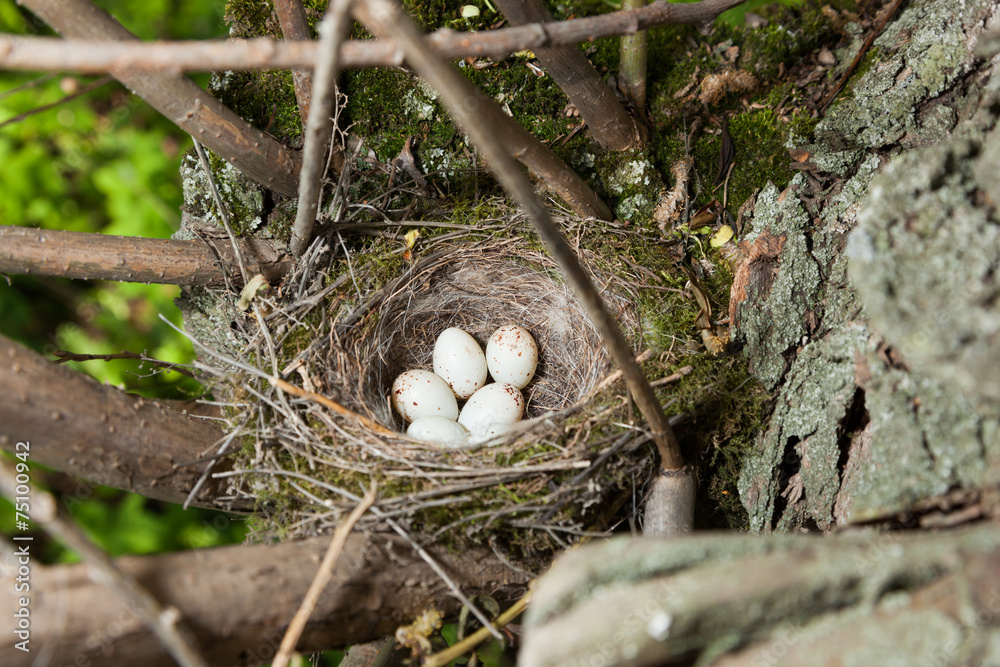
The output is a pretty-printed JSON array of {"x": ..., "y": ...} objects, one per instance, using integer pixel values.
[
  {"x": 542, "y": 486},
  {"x": 480, "y": 289}
]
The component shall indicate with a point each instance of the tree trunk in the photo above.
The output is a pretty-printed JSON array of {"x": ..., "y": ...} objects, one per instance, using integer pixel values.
[{"x": 867, "y": 302}]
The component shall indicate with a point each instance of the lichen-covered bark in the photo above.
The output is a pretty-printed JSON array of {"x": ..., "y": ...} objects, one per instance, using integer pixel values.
[
  {"x": 782, "y": 600},
  {"x": 887, "y": 391}
]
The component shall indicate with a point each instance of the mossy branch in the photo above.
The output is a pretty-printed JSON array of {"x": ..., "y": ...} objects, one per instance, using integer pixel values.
[
  {"x": 258, "y": 155},
  {"x": 610, "y": 123},
  {"x": 94, "y": 54}
]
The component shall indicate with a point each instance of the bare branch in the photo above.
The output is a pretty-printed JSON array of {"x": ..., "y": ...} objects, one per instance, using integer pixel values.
[
  {"x": 95, "y": 55},
  {"x": 163, "y": 620},
  {"x": 238, "y": 600},
  {"x": 258, "y": 155},
  {"x": 319, "y": 128},
  {"x": 98, "y": 432},
  {"x": 632, "y": 63},
  {"x": 295, "y": 28},
  {"x": 132, "y": 259},
  {"x": 607, "y": 119},
  {"x": 482, "y": 121}
]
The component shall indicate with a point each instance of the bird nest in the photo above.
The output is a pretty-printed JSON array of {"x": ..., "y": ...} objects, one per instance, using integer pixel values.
[{"x": 344, "y": 336}]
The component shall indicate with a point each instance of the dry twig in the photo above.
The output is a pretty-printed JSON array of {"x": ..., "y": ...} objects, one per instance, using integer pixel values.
[
  {"x": 319, "y": 128},
  {"x": 96, "y": 55},
  {"x": 323, "y": 575}
]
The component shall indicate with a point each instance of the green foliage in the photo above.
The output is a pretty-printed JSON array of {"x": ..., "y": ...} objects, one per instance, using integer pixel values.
[{"x": 103, "y": 162}]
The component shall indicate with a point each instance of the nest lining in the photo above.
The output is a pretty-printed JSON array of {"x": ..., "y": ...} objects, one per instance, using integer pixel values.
[
  {"x": 480, "y": 290},
  {"x": 546, "y": 480}
]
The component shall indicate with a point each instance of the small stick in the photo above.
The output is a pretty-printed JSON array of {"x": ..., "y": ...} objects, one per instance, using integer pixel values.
[
  {"x": 321, "y": 579},
  {"x": 319, "y": 127},
  {"x": 165, "y": 622},
  {"x": 94, "y": 55},
  {"x": 295, "y": 28},
  {"x": 333, "y": 405},
  {"x": 479, "y": 636},
  {"x": 62, "y": 356}
]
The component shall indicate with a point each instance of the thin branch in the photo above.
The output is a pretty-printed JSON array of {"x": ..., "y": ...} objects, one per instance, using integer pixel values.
[
  {"x": 384, "y": 17},
  {"x": 295, "y": 28},
  {"x": 164, "y": 621},
  {"x": 607, "y": 119},
  {"x": 258, "y": 155},
  {"x": 89, "y": 88},
  {"x": 319, "y": 128},
  {"x": 62, "y": 356},
  {"x": 98, "y": 432},
  {"x": 632, "y": 62},
  {"x": 91, "y": 55},
  {"x": 85, "y": 256},
  {"x": 323, "y": 575}
]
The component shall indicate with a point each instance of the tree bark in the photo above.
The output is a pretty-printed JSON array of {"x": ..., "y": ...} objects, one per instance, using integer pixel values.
[
  {"x": 597, "y": 103},
  {"x": 256, "y": 154},
  {"x": 295, "y": 28},
  {"x": 80, "y": 255},
  {"x": 100, "y": 433},
  {"x": 866, "y": 599},
  {"x": 238, "y": 600}
]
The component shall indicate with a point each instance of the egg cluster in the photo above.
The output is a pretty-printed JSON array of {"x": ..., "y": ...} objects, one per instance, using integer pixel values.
[{"x": 429, "y": 401}]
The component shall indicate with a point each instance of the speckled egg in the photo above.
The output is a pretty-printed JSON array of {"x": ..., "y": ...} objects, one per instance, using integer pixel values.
[
  {"x": 460, "y": 361},
  {"x": 497, "y": 404},
  {"x": 419, "y": 393},
  {"x": 436, "y": 429},
  {"x": 512, "y": 355}
]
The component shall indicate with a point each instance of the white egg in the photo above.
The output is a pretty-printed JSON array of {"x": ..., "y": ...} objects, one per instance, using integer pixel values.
[
  {"x": 437, "y": 429},
  {"x": 460, "y": 361},
  {"x": 512, "y": 355},
  {"x": 420, "y": 393},
  {"x": 495, "y": 405}
]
